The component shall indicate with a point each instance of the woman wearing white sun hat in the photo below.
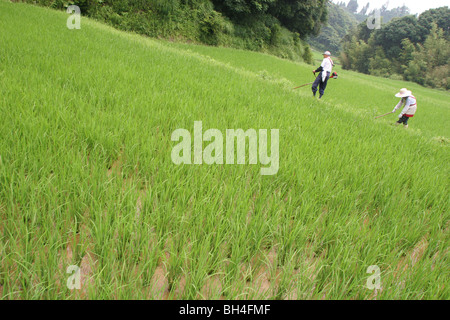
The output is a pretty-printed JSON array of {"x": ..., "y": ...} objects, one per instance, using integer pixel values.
[{"x": 410, "y": 106}]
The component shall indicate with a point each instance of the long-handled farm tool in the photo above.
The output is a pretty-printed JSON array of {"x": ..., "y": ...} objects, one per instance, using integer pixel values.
[
  {"x": 333, "y": 76},
  {"x": 303, "y": 85},
  {"x": 383, "y": 115}
]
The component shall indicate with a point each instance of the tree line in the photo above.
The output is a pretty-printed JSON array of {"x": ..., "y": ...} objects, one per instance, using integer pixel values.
[
  {"x": 408, "y": 48},
  {"x": 387, "y": 14},
  {"x": 342, "y": 18},
  {"x": 279, "y": 27}
]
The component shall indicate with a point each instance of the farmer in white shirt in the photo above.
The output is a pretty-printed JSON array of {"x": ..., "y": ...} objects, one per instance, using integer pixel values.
[
  {"x": 410, "y": 106},
  {"x": 325, "y": 71}
]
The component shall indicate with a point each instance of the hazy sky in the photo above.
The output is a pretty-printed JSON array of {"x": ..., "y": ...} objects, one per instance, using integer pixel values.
[{"x": 416, "y": 6}]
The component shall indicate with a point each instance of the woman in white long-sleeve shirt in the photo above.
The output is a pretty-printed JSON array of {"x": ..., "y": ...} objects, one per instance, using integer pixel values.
[
  {"x": 410, "y": 106},
  {"x": 325, "y": 71}
]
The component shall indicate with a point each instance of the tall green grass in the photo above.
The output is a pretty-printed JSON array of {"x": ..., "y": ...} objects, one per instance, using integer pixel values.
[
  {"x": 364, "y": 95},
  {"x": 86, "y": 176}
]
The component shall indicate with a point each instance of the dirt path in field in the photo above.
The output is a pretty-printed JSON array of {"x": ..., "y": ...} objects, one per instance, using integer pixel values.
[
  {"x": 160, "y": 285},
  {"x": 116, "y": 168},
  {"x": 408, "y": 262},
  {"x": 413, "y": 256},
  {"x": 87, "y": 264}
]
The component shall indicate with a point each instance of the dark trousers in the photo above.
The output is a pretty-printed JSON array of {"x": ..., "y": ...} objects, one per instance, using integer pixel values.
[
  {"x": 321, "y": 84},
  {"x": 404, "y": 120}
]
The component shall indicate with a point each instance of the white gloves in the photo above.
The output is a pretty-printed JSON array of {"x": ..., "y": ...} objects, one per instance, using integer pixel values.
[
  {"x": 393, "y": 110},
  {"x": 400, "y": 115}
]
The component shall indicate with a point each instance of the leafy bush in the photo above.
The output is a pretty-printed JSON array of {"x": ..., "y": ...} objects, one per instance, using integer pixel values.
[
  {"x": 242, "y": 24},
  {"x": 307, "y": 55},
  {"x": 396, "y": 76},
  {"x": 212, "y": 26}
]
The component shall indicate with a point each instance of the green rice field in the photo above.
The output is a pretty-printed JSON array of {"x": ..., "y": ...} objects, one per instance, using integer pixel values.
[{"x": 87, "y": 179}]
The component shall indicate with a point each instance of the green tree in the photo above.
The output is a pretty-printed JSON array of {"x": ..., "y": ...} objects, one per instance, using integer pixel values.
[
  {"x": 340, "y": 22},
  {"x": 236, "y": 9},
  {"x": 391, "y": 35},
  {"x": 304, "y": 17},
  {"x": 356, "y": 55},
  {"x": 407, "y": 54},
  {"x": 408, "y": 50},
  {"x": 379, "y": 65},
  {"x": 416, "y": 48},
  {"x": 431, "y": 61},
  {"x": 437, "y": 47},
  {"x": 439, "y": 16},
  {"x": 364, "y": 9},
  {"x": 352, "y": 6}
]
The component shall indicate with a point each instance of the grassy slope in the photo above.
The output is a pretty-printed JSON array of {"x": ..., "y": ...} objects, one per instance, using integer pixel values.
[
  {"x": 86, "y": 176},
  {"x": 366, "y": 95}
]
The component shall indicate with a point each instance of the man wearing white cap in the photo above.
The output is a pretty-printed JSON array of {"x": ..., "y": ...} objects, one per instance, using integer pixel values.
[
  {"x": 410, "y": 106},
  {"x": 325, "y": 71}
]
